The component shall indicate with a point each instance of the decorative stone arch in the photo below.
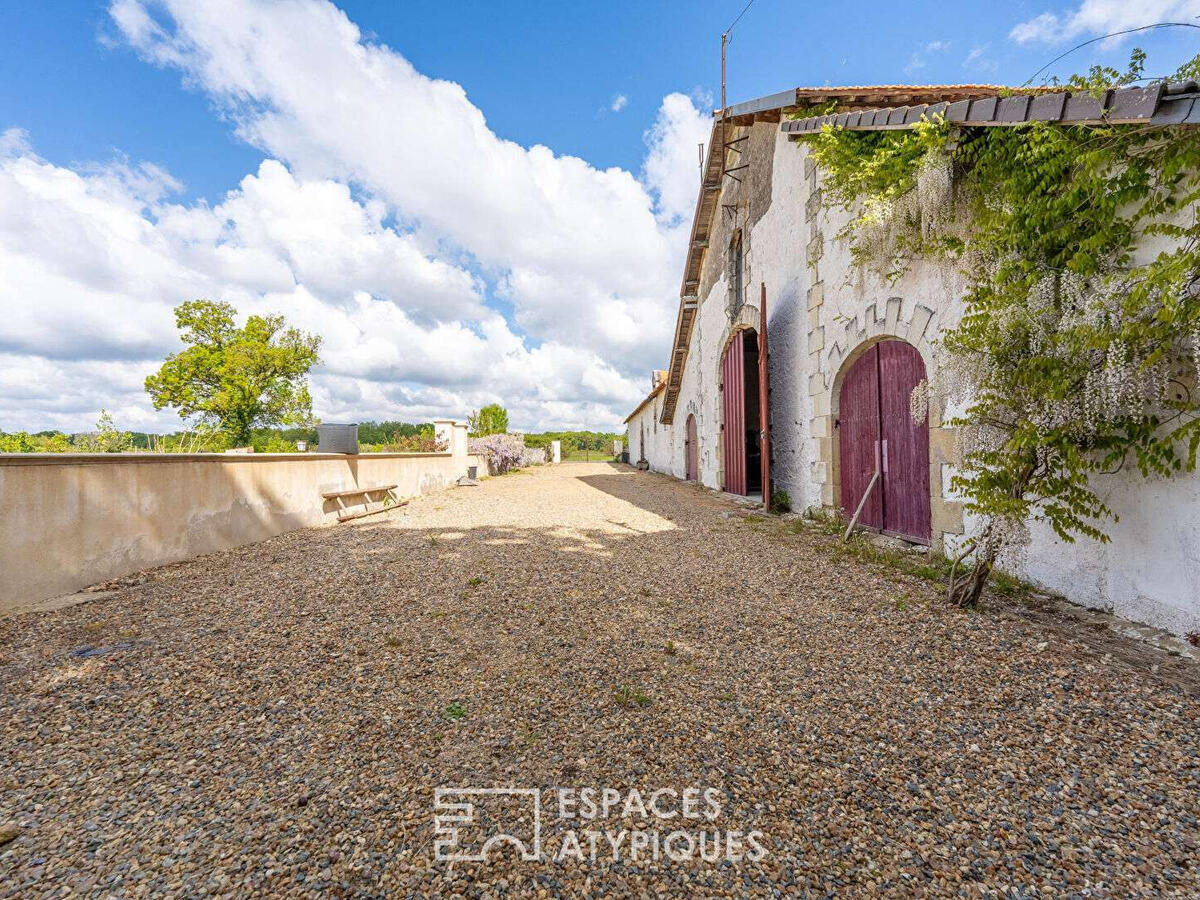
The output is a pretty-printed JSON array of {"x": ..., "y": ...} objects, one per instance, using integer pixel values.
[
  {"x": 851, "y": 340},
  {"x": 747, "y": 319}
]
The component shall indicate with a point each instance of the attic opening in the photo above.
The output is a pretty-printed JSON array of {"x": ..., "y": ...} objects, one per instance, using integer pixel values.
[{"x": 741, "y": 431}]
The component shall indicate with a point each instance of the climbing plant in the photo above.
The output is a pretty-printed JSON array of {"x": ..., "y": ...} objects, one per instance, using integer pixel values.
[{"x": 1077, "y": 353}]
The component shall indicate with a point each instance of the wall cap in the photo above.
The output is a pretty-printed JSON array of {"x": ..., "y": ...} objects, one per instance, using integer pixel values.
[{"x": 91, "y": 459}]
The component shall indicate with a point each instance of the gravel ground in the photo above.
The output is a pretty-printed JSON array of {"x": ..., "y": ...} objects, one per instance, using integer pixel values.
[{"x": 274, "y": 719}]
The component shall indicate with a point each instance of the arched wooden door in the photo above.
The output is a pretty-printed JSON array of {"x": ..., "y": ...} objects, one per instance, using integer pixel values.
[
  {"x": 691, "y": 450},
  {"x": 876, "y": 432}
]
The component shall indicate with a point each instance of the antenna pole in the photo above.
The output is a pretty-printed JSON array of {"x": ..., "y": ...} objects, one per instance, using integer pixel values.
[{"x": 724, "y": 145}]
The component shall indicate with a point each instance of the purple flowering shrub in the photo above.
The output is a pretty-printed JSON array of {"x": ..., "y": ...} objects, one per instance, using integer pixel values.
[{"x": 502, "y": 451}]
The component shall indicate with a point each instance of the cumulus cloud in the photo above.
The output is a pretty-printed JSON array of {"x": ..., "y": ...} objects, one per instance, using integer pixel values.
[
  {"x": 619, "y": 102},
  {"x": 388, "y": 217},
  {"x": 1097, "y": 17}
]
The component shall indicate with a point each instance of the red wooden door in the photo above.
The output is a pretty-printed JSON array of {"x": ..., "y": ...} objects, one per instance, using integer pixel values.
[
  {"x": 691, "y": 450},
  {"x": 877, "y": 431},
  {"x": 905, "y": 443},
  {"x": 733, "y": 420},
  {"x": 858, "y": 430}
]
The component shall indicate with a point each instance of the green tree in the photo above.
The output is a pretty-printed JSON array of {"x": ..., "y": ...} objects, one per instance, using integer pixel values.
[
  {"x": 107, "y": 438},
  {"x": 492, "y": 419},
  {"x": 236, "y": 378}
]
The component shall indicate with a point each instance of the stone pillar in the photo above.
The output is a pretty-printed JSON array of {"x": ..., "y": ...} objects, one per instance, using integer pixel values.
[
  {"x": 618, "y": 446},
  {"x": 459, "y": 447},
  {"x": 555, "y": 452},
  {"x": 443, "y": 432}
]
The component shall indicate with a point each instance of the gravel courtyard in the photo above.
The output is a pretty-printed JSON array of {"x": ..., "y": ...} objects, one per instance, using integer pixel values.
[{"x": 275, "y": 719}]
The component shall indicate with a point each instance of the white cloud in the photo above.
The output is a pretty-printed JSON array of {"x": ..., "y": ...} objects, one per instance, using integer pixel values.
[
  {"x": 1098, "y": 17},
  {"x": 672, "y": 167},
  {"x": 978, "y": 60},
  {"x": 93, "y": 258},
  {"x": 619, "y": 102},
  {"x": 919, "y": 58}
]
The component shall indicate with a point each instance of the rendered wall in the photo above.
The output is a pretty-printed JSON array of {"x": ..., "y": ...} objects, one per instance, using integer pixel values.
[
  {"x": 73, "y": 520},
  {"x": 822, "y": 312}
]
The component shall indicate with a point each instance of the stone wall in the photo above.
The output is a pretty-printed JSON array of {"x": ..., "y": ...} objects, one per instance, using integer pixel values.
[
  {"x": 823, "y": 313},
  {"x": 73, "y": 520}
]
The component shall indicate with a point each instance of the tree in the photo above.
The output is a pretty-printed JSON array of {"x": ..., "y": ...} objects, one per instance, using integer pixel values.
[
  {"x": 236, "y": 378},
  {"x": 492, "y": 419},
  {"x": 107, "y": 438}
]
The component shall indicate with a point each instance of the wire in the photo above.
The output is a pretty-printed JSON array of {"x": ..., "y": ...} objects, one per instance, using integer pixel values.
[
  {"x": 739, "y": 17},
  {"x": 1104, "y": 37}
]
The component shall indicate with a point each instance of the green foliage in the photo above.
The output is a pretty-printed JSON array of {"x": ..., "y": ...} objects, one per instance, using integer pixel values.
[
  {"x": 627, "y": 696},
  {"x": 577, "y": 444},
  {"x": 1077, "y": 354},
  {"x": 454, "y": 711},
  {"x": 236, "y": 378},
  {"x": 781, "y": 501},
  {"x": 107, "y": 438},
  {"x": 492, "y": 419}
]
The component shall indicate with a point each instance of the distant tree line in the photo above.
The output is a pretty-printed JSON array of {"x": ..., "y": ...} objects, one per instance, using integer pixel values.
[{"x": 372, "y": 437}]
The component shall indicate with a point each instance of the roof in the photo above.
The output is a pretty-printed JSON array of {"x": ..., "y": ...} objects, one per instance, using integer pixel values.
[
  {"x": 772, "y": 109},
  {"x": 1177, "y": 103},
  {"x": 857, "y": 95},
  {"x": 895, "y": 106},
  {"x": 654, "y": 392}
]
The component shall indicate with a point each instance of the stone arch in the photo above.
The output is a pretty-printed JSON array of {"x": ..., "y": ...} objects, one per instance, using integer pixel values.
[
  {"x": 850, "y": 341},
  {"x": 747, "y": 317}
]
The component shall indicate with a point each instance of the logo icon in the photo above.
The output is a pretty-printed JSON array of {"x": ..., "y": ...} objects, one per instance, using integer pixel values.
[{"x": 468, "y": 822}]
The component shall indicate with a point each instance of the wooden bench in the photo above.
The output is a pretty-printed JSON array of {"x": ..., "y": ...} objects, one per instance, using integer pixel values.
[{"x": 345, "y": 513}]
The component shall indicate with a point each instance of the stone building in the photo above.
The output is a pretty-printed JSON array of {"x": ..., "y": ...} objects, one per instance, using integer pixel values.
[{"x": 848, "y": 349}]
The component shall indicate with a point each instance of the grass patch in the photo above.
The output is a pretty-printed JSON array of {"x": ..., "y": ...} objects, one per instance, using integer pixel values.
[
  {"x": 454, "y": 711},
  {"x": 627, "y": 697},
  {"x": 670, "y": 649}
]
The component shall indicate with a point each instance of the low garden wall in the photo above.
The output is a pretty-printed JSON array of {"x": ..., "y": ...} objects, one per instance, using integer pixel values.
[{"x": 73, "y": 520}]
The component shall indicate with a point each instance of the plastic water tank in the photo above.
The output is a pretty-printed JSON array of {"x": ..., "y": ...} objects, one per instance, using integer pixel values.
[{"x": 337, "y": 438}]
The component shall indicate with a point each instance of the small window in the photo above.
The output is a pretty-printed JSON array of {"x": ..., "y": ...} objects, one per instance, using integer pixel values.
[{"x": 737, "y": 295}]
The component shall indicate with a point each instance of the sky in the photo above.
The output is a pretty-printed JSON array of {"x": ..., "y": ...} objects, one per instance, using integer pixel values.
[{"x": 471, "y": 202}]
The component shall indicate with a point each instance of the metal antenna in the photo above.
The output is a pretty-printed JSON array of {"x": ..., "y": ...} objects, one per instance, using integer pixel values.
[{"x": 724, "y": 43}]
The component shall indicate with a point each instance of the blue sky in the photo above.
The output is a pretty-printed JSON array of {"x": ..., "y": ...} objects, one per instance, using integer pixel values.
[{"x": 187, "y": 139}]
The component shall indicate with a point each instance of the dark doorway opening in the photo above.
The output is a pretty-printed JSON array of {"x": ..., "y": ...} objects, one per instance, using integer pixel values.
[{"x": 741, "y": 428}]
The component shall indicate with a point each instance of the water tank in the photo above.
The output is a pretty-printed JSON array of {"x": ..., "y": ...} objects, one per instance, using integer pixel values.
[{"x": 337, "y": 438}]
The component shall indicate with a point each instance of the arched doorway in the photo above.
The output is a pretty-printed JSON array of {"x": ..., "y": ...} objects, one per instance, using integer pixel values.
[
  {"x": 740, "y": 428},
  {"x": 877, "y": 434},
  {"x": 691, "y": 450}
]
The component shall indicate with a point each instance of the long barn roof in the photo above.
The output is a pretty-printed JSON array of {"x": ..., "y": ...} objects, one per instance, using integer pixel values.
[{"x": 773, "y": 109}]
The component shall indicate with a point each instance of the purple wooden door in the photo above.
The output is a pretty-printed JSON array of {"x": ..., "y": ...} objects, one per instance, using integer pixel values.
[
  {"x": 905, "y": 443},
  {"x": 691, "y": 450},
  {"x": 876, "y": 430},
  {"x": 733, "y": 422},
  {"x": 858, "y": 429}
]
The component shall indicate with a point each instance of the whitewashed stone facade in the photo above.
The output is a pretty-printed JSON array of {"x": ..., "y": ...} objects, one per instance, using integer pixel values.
[{"x": 822, "y": 313}]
